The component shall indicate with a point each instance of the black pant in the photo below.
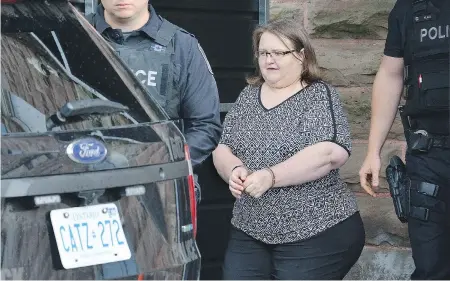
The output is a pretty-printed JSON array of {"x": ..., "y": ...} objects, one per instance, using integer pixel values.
[
  {"x": 430, "y": 240},
  {"x": 328, "y": 255}
]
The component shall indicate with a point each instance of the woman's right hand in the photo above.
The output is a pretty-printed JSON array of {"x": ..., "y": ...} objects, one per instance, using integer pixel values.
[{"x": 236, "y": 181}]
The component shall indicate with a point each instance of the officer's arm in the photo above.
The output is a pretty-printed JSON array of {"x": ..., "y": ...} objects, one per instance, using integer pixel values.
[
  {"x": 386, "y": 94},
  {"x": 388, "y": 84},
  {"x": 200, "y": 106}
]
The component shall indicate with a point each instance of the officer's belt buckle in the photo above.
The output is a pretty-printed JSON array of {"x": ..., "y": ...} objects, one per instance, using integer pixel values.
[{"x": 422, "y": 142}]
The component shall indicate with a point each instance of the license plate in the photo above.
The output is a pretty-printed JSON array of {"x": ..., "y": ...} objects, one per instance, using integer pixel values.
[{"x": 90, "y": 235}]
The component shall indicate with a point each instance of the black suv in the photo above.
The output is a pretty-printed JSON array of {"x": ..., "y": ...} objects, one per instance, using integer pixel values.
[{"x": 96, "y": 181}]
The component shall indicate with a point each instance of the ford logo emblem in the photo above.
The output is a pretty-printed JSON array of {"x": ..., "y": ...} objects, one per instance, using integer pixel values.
[{"x": 87, "y": 151}]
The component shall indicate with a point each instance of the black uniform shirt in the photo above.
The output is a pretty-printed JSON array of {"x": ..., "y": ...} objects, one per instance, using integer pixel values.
[{"x": 399, "y": 20}]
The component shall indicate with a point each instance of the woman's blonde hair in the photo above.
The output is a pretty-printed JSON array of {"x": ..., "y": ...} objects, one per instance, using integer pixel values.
[{"x": 294, "y": 32}]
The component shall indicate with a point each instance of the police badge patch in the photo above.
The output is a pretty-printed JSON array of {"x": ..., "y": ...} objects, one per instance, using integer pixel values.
[
  {"x": 204, "y": 57},
  {"x": 158, "y": 48}
]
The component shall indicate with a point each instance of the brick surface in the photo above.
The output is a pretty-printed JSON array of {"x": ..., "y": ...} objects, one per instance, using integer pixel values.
[
  {"x": 381, "y": 223},
  {"x": 347, "y": 61},
  {"x": 343, "y": 19},
  {"x": 350, "y": 171},
  {"x": 289, "y": 9},
  {"x": 356, "y": 101},
  {"x": 378, "y": 263}
]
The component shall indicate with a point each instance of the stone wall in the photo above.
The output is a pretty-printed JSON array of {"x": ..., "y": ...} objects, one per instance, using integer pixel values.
[{"x": 349, "y": 37}]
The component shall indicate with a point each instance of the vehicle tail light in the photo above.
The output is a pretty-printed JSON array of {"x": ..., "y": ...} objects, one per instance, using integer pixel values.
[{"x": 192, "y": 199}]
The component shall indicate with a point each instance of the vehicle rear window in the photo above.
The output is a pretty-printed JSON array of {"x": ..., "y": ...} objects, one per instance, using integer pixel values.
[
  {"x": 43, "y": 69},
  {"x": 35, "y": 85}
]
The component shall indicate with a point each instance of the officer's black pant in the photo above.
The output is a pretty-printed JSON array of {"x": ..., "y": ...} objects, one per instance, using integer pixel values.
[
  {"x": 328, "y": 255},
  {"x": 430, "y": 241}
]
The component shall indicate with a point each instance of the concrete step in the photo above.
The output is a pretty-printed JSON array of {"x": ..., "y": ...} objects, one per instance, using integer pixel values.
[{"x": 382, "y": 263}]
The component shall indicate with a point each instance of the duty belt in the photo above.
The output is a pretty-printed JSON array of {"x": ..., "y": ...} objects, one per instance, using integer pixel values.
[{"x": 421, "y": 140}]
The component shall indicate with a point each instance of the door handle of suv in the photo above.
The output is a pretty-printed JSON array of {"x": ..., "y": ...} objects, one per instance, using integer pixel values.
[{"x": 75, "y": 111}]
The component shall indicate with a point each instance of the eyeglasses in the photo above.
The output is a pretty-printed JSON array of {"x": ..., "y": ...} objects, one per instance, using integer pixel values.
[{"x": 273, "y": 54}]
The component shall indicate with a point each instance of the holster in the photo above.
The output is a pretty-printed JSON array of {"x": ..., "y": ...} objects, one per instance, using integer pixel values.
[
  {"x": 413, "y": 199},
  {"x": 398, "y": 187}
]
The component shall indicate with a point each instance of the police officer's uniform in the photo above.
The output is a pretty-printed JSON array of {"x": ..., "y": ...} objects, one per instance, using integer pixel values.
[
  {"x": 425, "y": 115},
  {"x": 173, "y": 68}
]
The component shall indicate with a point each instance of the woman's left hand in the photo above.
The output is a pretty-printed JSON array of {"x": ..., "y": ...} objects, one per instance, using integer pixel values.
[{"x": 258, "y": 183}]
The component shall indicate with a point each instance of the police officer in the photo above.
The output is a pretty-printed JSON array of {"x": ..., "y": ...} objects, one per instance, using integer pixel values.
[
  {"x": 170, "y": 64},
  {"x": 416, "y": 57}
]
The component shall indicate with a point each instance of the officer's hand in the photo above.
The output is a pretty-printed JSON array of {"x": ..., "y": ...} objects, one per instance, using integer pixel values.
[
  {"x": 236, "y": 181},
  {"x": 369, "y": 173}
]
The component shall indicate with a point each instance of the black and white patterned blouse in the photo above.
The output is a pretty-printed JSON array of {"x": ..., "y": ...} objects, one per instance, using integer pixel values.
[{"x": 262, "y": 137}]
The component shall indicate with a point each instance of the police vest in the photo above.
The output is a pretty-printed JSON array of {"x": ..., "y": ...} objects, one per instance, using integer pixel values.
[
  {"x": 427, "y": 74},
  {"x": 152, "y": 62}
]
